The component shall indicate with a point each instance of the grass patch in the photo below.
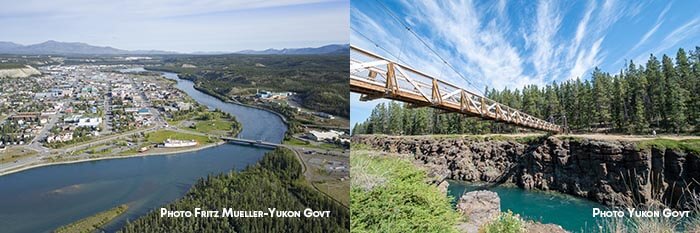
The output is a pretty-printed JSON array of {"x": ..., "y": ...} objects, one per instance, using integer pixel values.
[
  {"x": 161, "y": 135},
  {"x": 688, "y": 145},
  {"x": 335, "y": 189},
  {"x": 324, "y": 146},
  {"x": 11, "y": 154},
  {"x": 214, "y": 122},
  {"x": 100, "y": 152},
  {"x": 10, "y": 66},
  {"x": 389, "y": 194},
  {"x": 213, "y": 126},
  {"x": 531, "y": 139},
  {"x": 571, "y": 138},
  {"x": 296, "y": 142},
  {"x": 94, "y": 222},
  {"x": 95, "y": 150}
]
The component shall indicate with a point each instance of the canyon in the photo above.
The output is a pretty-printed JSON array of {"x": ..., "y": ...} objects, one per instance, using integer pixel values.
[{"x": 611, "y": 172}]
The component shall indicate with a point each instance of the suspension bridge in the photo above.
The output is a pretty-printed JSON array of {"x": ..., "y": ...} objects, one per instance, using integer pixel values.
[{"x": 375, "y": 77}]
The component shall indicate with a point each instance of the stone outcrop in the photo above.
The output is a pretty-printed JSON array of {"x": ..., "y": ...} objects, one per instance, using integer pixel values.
[
  {"x": 609, "y": 172},
  {"x": 531, "y": 226},
  {"x": 443, "y": 186},
  {"x": 481, "y": 206},
  {"x": 19, "y": 72}
]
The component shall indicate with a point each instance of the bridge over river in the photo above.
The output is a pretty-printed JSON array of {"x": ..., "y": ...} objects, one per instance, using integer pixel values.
[{"x": 258, "y": 143}]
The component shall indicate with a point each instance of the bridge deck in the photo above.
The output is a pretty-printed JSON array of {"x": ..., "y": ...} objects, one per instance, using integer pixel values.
[
  {"x": 251, "y": 142},
  {"x": 378, "y": 77}
]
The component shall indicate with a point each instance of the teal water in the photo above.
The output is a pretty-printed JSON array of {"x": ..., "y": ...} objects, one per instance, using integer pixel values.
[{"x": 573, "y": 214}]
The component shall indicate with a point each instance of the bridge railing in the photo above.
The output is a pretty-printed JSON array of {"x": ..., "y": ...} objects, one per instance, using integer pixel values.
[{"x": 378, "y": 77}]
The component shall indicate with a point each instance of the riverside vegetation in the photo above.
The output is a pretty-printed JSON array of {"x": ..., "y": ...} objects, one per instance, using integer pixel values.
[
  {"x": 651, "y": 174},
  {"x": 390, "y": 194},
  {"x": 238, "y": 74},
  {"x": 663, "y": 96},
  {"x": 275, "y": 182},
  {"x": 93, "y": 223}
]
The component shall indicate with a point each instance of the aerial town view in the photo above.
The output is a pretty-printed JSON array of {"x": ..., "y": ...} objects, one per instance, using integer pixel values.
[
  {"x": 63, "y": 113},
  {"x": 95, "y": 138},
  {"x": 62, "y": 110}
]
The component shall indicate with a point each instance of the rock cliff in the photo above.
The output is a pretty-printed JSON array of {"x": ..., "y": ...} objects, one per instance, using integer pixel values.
[{"x": 609, "y": 172}]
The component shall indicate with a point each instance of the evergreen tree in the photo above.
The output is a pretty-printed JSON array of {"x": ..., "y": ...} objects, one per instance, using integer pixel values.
[
  {"x": 601, "y": 95},
  {"x": 395, "y": 119},
  {"x": 663, "y": 96},
  {"x": 638, "y": 84},
  {"x": 675, "y": 96},
  {"x": 694, "y": 88},
  {"x": 657, "y": 92}
]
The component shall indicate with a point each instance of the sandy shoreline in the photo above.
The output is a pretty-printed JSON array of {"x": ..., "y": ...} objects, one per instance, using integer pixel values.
[{"x": 31, "y": 166}]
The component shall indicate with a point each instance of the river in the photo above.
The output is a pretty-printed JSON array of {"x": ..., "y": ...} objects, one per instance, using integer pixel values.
[
  {"x": 573, "y": 214},
  {"x": 44, "y": 198}
]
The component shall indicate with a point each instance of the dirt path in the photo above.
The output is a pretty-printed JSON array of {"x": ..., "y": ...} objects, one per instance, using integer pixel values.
[{"x": 619, "y": 137}]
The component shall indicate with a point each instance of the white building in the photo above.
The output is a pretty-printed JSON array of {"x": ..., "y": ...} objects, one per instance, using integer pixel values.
[
  {"x": 90, "y": 122},
  {"x": 170, "y": 143},
  {"x": 323, "y": 136}
]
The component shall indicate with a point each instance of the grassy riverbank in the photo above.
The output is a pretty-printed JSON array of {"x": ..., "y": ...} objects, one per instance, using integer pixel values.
[
  {"x": 162, "y": 135},
  {"x": 94, "y": 222}
]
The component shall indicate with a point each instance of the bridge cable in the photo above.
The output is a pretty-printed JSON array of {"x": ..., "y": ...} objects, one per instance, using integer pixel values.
[
  {"x": 428, "y": 46},
  {"x": 378, "y": 46}
]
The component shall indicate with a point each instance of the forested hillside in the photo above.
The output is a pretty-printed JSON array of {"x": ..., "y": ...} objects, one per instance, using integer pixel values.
[
  {"x": 275, "y": 182},
  {"x": 662, "y": 95},
  {"x": 320, "y": 80}
]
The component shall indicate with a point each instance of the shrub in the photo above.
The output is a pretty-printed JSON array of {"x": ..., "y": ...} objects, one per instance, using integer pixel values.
[
  {"x": 506, "y": 222},
  {"x": 389, "y": 194}
]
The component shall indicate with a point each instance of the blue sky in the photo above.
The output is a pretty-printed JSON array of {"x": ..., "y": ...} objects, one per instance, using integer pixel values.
[
  {"x": 177, "y": 25},
  {"x": 515, "y": 43}
]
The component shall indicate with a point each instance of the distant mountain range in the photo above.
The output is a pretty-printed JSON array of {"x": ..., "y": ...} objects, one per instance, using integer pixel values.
[
  {"x": 56, "y": 47},
  {"x": 67, "y": 48},
  {"x": 328, "y": 49}
]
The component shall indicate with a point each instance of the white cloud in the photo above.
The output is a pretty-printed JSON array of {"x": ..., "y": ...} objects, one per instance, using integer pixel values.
[
  {"x": 648, "y": 34},
  {"x": 581, "y": 28},
  {"x": 586, "y": 60},
  {"x": 488, "y": 58},
  {"x": 477, "y": 39},
  {"x": 151, "y": 8},
  {"x": 681, "y": 33},
  {"x": 546, "y": 51},
  {"x": 183, "y": 26},
  {"x": 583, "y": 55}
]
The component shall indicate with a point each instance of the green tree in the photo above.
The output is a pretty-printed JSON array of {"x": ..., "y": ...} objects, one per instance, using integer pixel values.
[
  {"x": 676, "y": 97},
  {"x": 638, "y": 85},
  {"x": 395, "y": 118},
  {"x": 601, "y": 95},
  {"x": 657, "y": 91}
]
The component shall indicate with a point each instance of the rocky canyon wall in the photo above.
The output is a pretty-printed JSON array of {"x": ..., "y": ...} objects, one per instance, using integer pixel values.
[{"x": 609, "y": 172}]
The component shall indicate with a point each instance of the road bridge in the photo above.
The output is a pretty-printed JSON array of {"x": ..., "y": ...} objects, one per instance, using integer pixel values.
[
  {"x": 259, "y": 143},
  {"x": 374, "y": 77}
]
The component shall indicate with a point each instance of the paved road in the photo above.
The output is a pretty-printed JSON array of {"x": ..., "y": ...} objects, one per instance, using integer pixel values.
[
  {"x": 107, "y": 129},
  {"x": 41, "y": 136}
]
